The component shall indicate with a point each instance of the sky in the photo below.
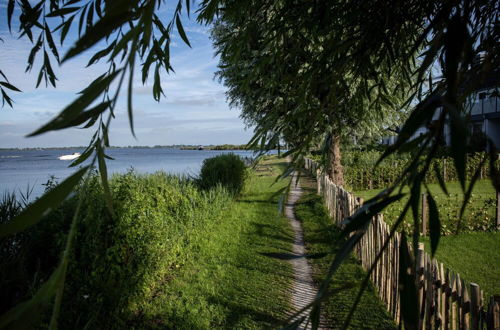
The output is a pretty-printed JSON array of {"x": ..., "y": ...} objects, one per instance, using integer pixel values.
[{"x": 195, "y": 110}]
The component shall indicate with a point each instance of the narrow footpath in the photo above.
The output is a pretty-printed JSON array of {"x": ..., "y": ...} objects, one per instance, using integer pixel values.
[{"x": 303, "y": 288}]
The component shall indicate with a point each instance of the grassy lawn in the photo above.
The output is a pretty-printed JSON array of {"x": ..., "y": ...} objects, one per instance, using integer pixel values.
[
  {"x": 321, "y": 236},
  {"x": 475, "y": 256},
  {"x": 229, "y": 283},
  {"x": 479, "y": 214}
]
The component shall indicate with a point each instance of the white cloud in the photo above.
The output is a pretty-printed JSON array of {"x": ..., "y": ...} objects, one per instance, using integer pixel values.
[{"x": 194, "y": 110}]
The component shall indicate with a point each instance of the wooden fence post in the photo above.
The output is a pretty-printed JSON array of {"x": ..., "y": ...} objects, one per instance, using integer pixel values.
[
  {"x": 498, "y": 211},
  {"x": 420, "y": 274},
  {"x": 444, "y": 170},
  {"x": 494, "y": 314},
  {"x": 475, "y": 305},
  {"x": 425, "y": 214}
]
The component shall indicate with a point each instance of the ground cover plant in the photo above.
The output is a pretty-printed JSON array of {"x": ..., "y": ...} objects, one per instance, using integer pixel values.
[
  {"x": 479, "y": 214},
  {"x": 322, "y": 237}
]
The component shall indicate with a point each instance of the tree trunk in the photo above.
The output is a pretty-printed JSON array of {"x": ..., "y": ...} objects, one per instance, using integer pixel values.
[{"x": 336, "y": 171}]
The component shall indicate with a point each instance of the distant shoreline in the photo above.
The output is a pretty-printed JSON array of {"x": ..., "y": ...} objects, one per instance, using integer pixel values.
[{"x": 180, "y": 147}]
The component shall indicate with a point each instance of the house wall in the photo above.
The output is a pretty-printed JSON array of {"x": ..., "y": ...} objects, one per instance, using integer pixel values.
[{"x": 492, "y": 130}]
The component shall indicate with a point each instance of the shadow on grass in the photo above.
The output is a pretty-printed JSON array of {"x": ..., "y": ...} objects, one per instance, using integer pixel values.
[
  {"x": 271, "y": 232},
  {"x": 322, "y": 236}
]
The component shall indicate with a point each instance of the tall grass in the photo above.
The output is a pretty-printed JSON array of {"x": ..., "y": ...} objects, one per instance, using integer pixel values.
[
  {"x": 174, "y": 256},
  {"x": 118, "y": 263}
]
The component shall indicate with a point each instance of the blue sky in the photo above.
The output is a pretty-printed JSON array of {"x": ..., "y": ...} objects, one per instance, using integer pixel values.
[{"x": 194, "y": 111}]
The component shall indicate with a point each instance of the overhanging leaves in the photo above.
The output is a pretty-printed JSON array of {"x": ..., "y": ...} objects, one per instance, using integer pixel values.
[
  {"x": 434, "y": 223},
  {"x": 49, "y": 201},
  {"x": 76, "y": 109}
]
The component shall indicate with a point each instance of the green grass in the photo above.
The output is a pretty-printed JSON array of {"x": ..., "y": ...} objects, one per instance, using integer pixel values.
[
  {"x": 475, "y": 256},
  {"x": 479, "y": 214},
  {"x": 174, "y": 256},
  {"x": 321, "y": 236},
  {"x": 229, "y": 282}
]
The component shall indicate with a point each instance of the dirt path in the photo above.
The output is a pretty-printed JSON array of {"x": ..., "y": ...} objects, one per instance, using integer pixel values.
[{"x": 303, "y": 289}]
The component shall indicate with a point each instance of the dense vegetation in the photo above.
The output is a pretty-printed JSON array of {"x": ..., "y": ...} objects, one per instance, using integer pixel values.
[
  {"x": 479, "y": 214},
  {"x": 362, "y": 170},
  {"x": 228, "y": 171},
  {"x": 306, "y": 72},
  {"x": 118, "y": 263},
  {"x": 173, "y": 256}
]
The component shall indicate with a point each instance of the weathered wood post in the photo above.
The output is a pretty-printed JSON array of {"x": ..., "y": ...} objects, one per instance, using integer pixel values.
[
  {"x": 498, "y": 211},
  {"x": 425, "y": 214},
  {"x": 420, "y": 274},
  {"x": 475, "y": 305},
  {"x": 494, "y": 314},
  {"x": 444, "y": 170}
]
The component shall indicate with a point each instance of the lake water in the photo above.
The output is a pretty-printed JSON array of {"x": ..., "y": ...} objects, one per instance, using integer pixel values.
[{"x": 22, "y": 168}]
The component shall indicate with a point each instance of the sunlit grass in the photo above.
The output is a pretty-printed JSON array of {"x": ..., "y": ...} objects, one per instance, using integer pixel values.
[
  {"x": 475, "y": 256},
  {"x": 229, "y": 283}
]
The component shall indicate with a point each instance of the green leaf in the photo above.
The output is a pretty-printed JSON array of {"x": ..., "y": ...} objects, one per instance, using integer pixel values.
[
  {"x": 33, "y": 52},
  {"x": 408, "y": 290},
  {"x": 75, "y": 109},
  {"x": 62, "y": 11},
  {"x": 9, "y": 86},
  {"x": 468, "y": 193},
  {"x": 104, "y": 178},
  {"x": 442, "y": 184},
  {"x": 90, "y": 16},
  {"x": 458, "y": 142},
  {"x": 86, "y": 115},
  {"x": 66, "y": 28},
  {"x": 102, "y": 29},
  {"x": 367, "y": 212},
  {"x": 419, "y": 117},
  {"x": 125, "y": 39},
  {"x": 10, "y": 10},
  {"x": 434, "y": 223},
  {"x": 50, "y": 41},
  {"x": 131, "y": 85},
  {"x": 48, "y": 69},
  {"x": 101, "y": 54},
  {"x": 6, "y": 98},
  {"x": 83, "y": 157},
  {"x": 188, "y": 6},
  {"x": 49, "y": 201},
  {"x": 178, "y": 23}
]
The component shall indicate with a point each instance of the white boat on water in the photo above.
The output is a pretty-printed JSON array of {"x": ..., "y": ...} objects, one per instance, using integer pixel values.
[{"x": 75, "y": 155}]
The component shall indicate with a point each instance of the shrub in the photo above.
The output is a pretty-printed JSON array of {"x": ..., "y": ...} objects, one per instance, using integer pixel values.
[
  {"x": 118, "y": 264},
  {"x": 226, "y": 170}
]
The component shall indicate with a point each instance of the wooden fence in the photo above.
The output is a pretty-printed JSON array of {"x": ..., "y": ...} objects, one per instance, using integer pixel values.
[{"x": 446, "y": 301}]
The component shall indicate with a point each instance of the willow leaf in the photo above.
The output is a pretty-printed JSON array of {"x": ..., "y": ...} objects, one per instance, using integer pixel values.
[{"x": 49, "y": 201}]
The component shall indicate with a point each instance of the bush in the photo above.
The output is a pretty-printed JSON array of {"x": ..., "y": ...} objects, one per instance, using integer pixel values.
[
  {"x": 118, "y": 264},
  {"x": 226, "y": 170}
]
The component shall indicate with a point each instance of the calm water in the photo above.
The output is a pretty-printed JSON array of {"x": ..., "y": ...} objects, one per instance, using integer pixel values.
[{"x": 22, "y": 168}]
